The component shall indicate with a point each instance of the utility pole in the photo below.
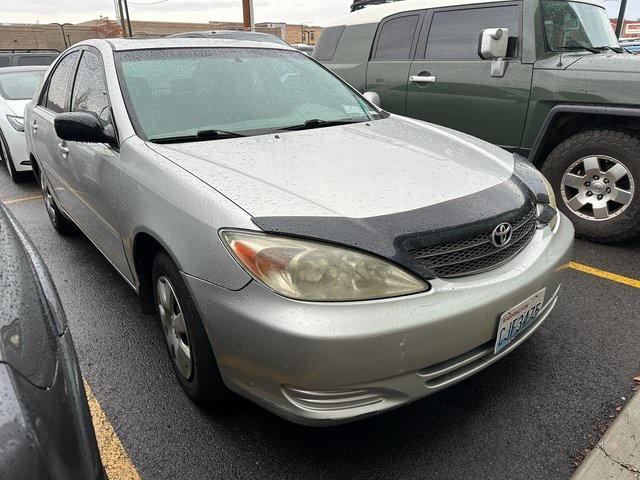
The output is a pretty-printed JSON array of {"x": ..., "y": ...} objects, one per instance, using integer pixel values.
[
  {"x": 620, "y": 24},
  {"x": 126, "y": 12},
  {"x": 248, "y": 22},
  {"x": 120, "y": 16}
]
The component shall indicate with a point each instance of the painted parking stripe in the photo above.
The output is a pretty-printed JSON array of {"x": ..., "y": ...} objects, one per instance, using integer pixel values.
[
  {"x": 22, "y": 199},
  {"x": 115, "y": 458},
  {"x": 632, "y": 282}
]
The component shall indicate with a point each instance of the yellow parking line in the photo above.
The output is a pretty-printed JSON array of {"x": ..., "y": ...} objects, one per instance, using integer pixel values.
[
  {"x": 22, "y": 199},
  {"x": 115, "y": 458},
  {"x": 632, "y": 282}
]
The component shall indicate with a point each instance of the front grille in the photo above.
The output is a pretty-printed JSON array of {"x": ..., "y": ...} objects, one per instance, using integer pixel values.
[{"x": 476, "y": 253}]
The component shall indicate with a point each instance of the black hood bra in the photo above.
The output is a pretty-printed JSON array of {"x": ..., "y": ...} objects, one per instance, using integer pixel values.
[{"x": 396, "y": 236}]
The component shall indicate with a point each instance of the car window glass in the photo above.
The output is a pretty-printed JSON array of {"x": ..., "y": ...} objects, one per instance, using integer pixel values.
[
  {"x": 35, "y": 60},
  {"x": 180, "y": 91},
  {"x": 89, "y": 88},
  {"x": 19, "y": 85},
  {"x": 4, "y": 61},
  {"x": 396, "y": 37},
  {"x": 59, "y": 83},
  {"x": 328, "y": 43},
  {"x": 455, "y": 34}
]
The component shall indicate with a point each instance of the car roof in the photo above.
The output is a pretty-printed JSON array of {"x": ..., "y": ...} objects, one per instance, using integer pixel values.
[
  {"x": 375, "y": 13},
  {"x": 233, "y": 34},
  {"x": 121, "y": 44},
  {"x": 24, "y": 68}
]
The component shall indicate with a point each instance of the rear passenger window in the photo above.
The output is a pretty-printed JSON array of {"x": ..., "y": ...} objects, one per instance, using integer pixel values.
[
  {"x": 4, "y": 61},
  {"x": 396, "y": 38},
  {"x": 35, "y": 60},
  {"x": 327, "y": 43},
  {"x": 455, "y": 34},
  {"x": 60, "y": 82}
]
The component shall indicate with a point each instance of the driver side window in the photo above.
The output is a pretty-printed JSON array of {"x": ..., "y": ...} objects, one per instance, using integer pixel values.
[{"x": 90, "y": 89}]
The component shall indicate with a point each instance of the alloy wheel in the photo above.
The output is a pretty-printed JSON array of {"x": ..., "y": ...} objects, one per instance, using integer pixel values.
[
  {"x": 48, "y": 200},
  {"x": 174, "y": 327},
  {"x": 597, "y": 187}
]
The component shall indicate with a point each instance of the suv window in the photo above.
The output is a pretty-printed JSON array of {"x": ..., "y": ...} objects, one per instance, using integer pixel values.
[
  {"x": 59, "y": 83},
  {"x": 4, "y": 61},
  {"x": 35, "y": 60},
  {"x": 396, "y": 38},
  {"x": 454, "y": 34},
  {"x": 328, "y": 42},
  {"x": 89, "y": 88}
]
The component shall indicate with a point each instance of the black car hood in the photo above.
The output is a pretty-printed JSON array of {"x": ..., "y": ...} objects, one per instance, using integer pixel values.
[{"x": 393, "y": 236}]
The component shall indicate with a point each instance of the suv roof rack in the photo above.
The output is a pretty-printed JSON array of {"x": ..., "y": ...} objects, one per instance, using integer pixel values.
[
  {"x": 28, "y": 50},
  {"x": 360, "y": 4}
]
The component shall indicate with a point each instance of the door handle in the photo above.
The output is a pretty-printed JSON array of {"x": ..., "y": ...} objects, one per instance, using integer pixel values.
[
  {"x": 34, "y": 127},
  {"x": 63, "y": 149},
  {"x": 423, "y": 78}
]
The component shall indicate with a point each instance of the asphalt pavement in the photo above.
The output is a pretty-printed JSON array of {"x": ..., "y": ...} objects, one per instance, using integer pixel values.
[{"x": 529, "y": 416}]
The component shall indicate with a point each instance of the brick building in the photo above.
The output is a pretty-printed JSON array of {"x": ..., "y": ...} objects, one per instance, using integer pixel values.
[{"x": 60, "y": 36}]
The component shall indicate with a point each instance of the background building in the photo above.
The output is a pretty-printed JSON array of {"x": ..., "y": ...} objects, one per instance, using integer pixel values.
[{"x": 60, "y": 36}]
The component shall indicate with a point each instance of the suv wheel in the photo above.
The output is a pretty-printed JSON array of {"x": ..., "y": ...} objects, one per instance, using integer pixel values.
[
  {"x": 595, "y": 175},
  {"x": 60, "y": 223},
  {"x": 187, "y": 342}
]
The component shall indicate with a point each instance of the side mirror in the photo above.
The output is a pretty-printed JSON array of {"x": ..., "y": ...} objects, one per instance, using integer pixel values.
[
  {"x": 83, "y": 127},
  {"x": 373, "y": 97},
  {"x": 494, "y": 43}
]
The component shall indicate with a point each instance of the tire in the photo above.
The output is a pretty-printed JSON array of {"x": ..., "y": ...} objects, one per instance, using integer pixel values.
[
  {"x": 60, "y": 223},
  {"x": 610, "y": 197},
  {"x": 16, "y": 177},
  {"x": 202, "y": 382}
]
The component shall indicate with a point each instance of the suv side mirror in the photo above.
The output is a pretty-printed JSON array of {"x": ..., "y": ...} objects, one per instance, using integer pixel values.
[
  {"x": 494, "y": 43},
  {"x": 83, "y": 127},
  {"x": 373, "y": 97}
]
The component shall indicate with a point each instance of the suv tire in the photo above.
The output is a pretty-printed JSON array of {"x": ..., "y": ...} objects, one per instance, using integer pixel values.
[
  {"x": 199, "y": 377},
  {"x": 578, "y": 179}
]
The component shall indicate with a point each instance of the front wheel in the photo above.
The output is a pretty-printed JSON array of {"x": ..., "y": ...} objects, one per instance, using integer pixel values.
[
  {"x": 595, "y": 176},
  {"x": 60, "y": 223},
  {"x": 187, "y": 342}
]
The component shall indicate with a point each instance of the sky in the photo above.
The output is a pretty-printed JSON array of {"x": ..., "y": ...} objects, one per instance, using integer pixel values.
[{"x": 316, "y": 12}]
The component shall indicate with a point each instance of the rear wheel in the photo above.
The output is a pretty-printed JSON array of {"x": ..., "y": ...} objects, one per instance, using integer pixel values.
[
  {"x": 595, "y": 176},
  {"x": 187, "y": 342},
  {"x": 60, "y": 223}
]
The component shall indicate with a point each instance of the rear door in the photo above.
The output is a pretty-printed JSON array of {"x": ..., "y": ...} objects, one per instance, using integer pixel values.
[
  {"x": 49, "y": 149},
  {"x": 393, "y": 49},
  {"x": 92, "y": 167},
  {"x": 451, "y": 85}
]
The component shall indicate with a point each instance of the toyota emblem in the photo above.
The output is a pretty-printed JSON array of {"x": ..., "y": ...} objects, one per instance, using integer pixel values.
[{"x": 501, "y": 235}]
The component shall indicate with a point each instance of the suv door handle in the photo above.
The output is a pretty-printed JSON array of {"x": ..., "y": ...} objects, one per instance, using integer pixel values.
[
  {"x": 423, "y": 78},
  {"x": 63, "y": 149}
]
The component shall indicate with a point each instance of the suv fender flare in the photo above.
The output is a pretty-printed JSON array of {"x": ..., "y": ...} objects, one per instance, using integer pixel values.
[{"x": 545, "y": 129}]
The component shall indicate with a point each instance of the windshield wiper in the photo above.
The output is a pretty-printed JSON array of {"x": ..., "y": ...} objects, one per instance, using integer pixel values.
[
  {"x": 609, "y": 47},
  {"x": 573, "y": 45},
  {"x": 317, "y": 123},
  {"x": 200, "y": 135}
]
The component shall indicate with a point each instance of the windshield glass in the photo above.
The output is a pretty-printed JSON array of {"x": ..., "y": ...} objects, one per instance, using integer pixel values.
[
  {"x": 179, "y": 92},
  {"x": 20, "y": 85},
  {"x": 576, "y": 25}
]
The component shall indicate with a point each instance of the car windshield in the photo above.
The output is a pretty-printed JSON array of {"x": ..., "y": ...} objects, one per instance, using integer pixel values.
[
  {"x": 180, "y": 93},
  {"x": 20, "y": 85},
  {"x": 576, "y": 25}
]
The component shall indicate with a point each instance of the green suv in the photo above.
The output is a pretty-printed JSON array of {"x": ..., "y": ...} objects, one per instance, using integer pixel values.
[{"x": 543, "y": 78}]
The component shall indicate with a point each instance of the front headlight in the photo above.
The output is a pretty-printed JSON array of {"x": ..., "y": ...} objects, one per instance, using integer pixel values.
[
  {"x": 16, "y": 122},
  {"x": 308, "y": 270},
  {"x": 552, "y": 203}
]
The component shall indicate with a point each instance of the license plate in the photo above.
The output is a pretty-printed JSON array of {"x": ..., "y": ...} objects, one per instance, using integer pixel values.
[{"x": 515, "y": 320}]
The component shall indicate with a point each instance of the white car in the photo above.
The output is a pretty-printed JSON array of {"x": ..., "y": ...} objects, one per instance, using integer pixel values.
[{"x": 17, "y": 86}]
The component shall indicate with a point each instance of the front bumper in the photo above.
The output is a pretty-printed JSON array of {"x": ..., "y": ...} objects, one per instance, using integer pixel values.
[
  {"x": 326, "y": 363},
  {"x": 17, "y": 146}
]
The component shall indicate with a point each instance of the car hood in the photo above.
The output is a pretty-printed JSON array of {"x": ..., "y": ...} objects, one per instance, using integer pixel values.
[
  {"x": 360, "y": 170},
  {"x": 608, "y": 62},
  {"x": 17, "y": 106}
]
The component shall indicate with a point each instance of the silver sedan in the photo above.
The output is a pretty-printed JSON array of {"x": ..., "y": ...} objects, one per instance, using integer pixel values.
[{"x": 299, "y": 246}]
